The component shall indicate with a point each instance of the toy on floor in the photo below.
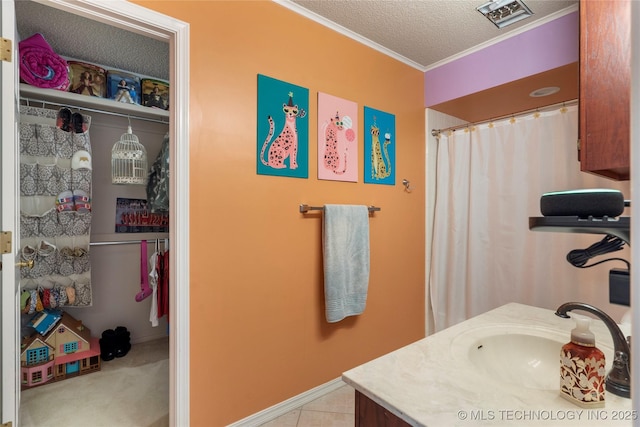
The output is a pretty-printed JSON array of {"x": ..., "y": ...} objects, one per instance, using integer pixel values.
[{"x": 62, "y": 347}]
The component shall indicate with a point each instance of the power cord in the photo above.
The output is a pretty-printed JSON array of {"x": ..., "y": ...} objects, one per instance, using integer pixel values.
[{"x": 579, "y": 257}]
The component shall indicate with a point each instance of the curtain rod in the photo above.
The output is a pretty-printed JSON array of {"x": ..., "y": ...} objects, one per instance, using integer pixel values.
[
  {"x": 437, "y": 132},
  {"x": 93, "y": 110}
]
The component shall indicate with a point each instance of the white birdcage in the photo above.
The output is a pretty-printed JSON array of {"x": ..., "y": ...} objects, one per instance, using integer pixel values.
[{"x": 129, "y": 160}]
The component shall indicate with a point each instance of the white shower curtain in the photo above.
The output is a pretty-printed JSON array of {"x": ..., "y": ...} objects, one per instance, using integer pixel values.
[{"x": 489, "y": 180}]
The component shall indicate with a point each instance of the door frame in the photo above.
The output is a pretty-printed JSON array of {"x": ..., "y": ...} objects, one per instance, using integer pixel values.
[
  {"x": 9, "y": 276},
  {"x": 135, "y": 18}
]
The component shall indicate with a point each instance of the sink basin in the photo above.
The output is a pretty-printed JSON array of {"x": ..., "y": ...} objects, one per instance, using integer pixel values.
[
  {"x": 521, "y": 356},
  {"x": 512, "y": 358}
]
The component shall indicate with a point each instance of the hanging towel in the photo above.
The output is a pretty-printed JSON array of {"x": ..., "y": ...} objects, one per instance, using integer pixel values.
[{"x": 345, "y": 248}]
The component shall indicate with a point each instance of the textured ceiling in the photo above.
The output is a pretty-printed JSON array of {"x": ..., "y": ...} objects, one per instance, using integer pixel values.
[
  {"x": 83, "y": 39},
  {"x": 429, "y": 33},
  {"x": 423, "y": 31}
]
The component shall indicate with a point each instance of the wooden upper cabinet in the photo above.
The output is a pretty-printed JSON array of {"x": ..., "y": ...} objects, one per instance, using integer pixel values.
[{"x": 605, "y": 84}]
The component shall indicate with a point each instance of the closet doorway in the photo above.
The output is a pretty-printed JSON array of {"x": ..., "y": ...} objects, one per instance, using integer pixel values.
[{"x": 136, "y": 19}]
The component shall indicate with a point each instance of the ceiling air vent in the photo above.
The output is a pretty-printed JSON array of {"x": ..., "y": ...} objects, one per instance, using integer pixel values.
[{"x": 505, "y": 12}]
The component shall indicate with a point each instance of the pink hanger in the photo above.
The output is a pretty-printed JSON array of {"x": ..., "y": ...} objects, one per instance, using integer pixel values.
[{"x": 145, "y": 290}]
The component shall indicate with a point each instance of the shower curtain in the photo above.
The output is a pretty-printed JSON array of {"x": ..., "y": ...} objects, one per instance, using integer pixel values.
[{"x": 489, "y": 180}]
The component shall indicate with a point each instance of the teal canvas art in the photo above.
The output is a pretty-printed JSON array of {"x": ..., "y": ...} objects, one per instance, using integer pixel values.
[
  {"x": 283, "y": 128},
  {"x": 379, "y": 147}
]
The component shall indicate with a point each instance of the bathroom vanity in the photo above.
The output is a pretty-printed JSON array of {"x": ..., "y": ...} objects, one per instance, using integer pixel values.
[{"x": 499, "y": 368}]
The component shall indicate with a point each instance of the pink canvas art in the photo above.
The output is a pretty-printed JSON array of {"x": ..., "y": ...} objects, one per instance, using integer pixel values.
[{"x": 337, "y": 139}]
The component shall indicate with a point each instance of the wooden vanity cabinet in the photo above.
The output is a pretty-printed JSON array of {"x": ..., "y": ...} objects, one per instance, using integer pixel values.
[
  {"x": 369, "y": 413},
  {"x": 605, "y": 84}
]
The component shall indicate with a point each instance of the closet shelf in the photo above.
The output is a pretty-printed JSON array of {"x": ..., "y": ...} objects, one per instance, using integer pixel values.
[
  {"x": 618, "y": 227},
  {"x": 80, "y": 101}
]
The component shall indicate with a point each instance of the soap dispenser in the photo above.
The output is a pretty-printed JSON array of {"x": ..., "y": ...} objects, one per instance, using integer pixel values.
[{"x": 582, "y": 370}]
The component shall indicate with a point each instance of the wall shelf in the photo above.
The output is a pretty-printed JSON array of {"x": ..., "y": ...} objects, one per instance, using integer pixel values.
[
  {"x": 618, "y": 227},
  {"x": 91, "y": 102}
]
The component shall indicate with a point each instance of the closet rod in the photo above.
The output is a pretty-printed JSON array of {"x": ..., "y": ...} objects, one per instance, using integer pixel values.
[
  {"x": 125, "y": 242},
  {"x": 93, "y": 110}
]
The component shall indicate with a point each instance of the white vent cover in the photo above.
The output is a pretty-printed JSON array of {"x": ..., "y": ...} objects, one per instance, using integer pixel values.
[{"x": 129, "y": 160}]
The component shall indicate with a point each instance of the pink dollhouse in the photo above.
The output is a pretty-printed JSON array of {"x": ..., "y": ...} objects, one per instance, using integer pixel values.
[{"x": 66, "y": 349}]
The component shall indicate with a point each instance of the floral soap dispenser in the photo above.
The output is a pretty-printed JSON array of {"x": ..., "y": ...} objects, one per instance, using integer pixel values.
[{"x": 582, "y": 371}]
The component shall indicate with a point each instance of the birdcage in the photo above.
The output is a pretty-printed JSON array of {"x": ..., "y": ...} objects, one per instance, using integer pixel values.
[{"x": 129, "y": 160}]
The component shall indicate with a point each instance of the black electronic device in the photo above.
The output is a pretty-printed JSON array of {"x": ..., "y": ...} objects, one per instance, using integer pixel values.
[{"x": 597, "y": 203}]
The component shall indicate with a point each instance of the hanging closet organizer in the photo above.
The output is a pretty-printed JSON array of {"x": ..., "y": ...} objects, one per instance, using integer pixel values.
[{"x": 55, "y": 210}]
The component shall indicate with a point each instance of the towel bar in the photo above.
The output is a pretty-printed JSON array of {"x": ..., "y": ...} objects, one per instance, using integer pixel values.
[{"x": 307, "y": 208}]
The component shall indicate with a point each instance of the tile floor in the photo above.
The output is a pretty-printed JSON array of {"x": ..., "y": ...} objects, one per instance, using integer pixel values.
[{"x": 335, "y": 409}]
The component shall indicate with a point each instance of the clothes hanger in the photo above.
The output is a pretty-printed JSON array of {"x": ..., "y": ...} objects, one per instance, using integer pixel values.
[{"x": 145, "y": 290}]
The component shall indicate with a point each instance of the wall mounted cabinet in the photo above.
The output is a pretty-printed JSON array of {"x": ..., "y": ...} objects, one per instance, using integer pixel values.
[{"x": 605, "y": 83}]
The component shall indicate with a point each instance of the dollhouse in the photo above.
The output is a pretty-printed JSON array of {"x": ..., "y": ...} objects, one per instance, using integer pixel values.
[{"x": 62, "y": 347}]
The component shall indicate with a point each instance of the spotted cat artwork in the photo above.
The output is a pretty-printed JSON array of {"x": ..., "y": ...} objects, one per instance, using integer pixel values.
[
  {"x": 285, "y": 145},
  {"x": 282, "y": 129},
  {"x": 332, "y": 158},
  {"x": 380, "y": 168},
  {"x": 337, "y": 138},
  {"x": 379, "y": 147}
]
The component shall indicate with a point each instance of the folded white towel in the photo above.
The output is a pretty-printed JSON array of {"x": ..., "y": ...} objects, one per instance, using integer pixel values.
[{"x": 346, "y": 260}]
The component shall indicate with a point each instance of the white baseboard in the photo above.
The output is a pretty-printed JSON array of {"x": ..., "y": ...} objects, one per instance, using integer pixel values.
[{"x": 288, "y": 405}]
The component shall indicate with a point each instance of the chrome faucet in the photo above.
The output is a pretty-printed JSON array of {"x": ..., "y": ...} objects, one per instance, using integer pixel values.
[{"x": 618, "y": 379}]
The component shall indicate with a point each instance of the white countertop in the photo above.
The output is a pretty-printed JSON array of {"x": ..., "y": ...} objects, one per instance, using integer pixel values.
[{"x": 430, "y": 382}]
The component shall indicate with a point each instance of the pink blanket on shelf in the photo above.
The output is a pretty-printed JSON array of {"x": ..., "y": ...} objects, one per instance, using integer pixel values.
[{"x": 40, "y": 66}]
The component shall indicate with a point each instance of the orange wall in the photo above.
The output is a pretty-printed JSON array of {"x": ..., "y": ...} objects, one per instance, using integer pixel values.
[{"x": 258, "y": 332}]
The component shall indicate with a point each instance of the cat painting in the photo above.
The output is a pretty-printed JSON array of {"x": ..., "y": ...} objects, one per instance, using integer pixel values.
[{"x": 282, "y": 129}]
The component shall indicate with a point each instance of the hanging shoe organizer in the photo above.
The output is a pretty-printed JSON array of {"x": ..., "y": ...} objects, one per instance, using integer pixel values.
[{"x": 55, "y": 208}]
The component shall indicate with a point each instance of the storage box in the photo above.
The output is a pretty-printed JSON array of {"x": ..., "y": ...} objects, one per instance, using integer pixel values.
[
  {"x": 87, "y": 79},
  {"x": 123, "y": 87},
  {"x": 155, "y": 93}
]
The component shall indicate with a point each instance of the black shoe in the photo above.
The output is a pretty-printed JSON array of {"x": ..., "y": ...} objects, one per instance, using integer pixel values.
[
  {"x": 63, "y": 121},
  {"x": 108, "y": 345},
  {"x": 123, "y": 341},
  {"x": 77, "y": 123}
]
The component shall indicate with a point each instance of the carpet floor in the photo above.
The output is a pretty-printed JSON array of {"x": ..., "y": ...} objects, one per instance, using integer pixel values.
[{"x": 131, "y": 391}]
